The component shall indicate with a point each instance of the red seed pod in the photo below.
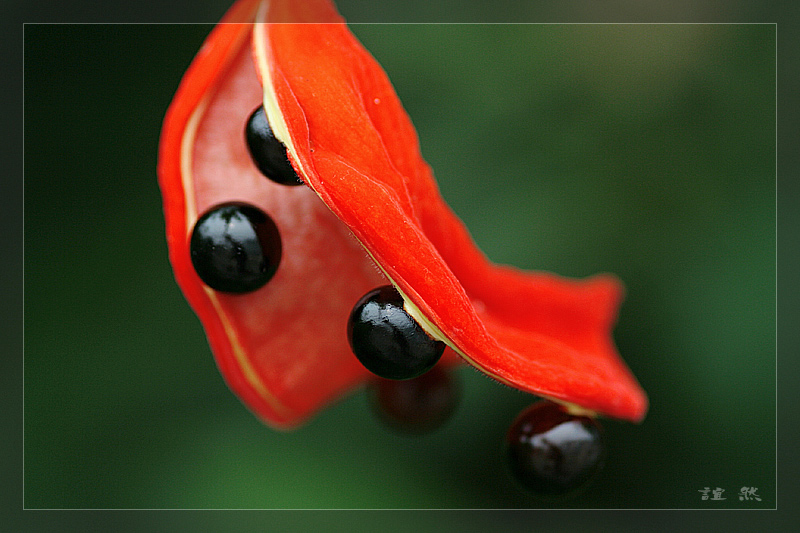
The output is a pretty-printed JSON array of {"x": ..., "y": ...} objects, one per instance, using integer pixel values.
[{"x": 283, "y": 348}]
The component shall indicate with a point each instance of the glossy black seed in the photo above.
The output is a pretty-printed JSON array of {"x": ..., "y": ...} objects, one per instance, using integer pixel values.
[
  {"x": 267, "y": 152},
  {"x": 551, "y": 452},
  {"x": 387, "y": 341},
  {"x": 235, "y": 248},
  {"x": 416, "y": 406}
]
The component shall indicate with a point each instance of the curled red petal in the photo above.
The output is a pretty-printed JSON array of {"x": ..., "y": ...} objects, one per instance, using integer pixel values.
[{"x": 351, "y": 140}]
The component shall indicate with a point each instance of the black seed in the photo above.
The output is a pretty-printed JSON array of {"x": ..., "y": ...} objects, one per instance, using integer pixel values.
[
  {"x": 552, "y": 452},
  {"x": 267, "y": 152},
  {"x": 235, "y": 248},
  {"x": 387, "y": 341},
  {"x": 416, "y": 406}
]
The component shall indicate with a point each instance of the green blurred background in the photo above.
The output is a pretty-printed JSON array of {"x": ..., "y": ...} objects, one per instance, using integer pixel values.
[{"x": 643, "y": 150}]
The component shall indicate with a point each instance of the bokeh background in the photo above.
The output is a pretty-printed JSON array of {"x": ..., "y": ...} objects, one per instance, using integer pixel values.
[{"x": 643, "y": 150}]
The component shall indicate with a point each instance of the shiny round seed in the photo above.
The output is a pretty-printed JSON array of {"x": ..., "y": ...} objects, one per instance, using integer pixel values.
[
  {"x": 235, "y": 247},
  {"x": 267, "y": 152},
  {"x": 387, "y": 340},
  {"x": 552, "y": 452}
]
